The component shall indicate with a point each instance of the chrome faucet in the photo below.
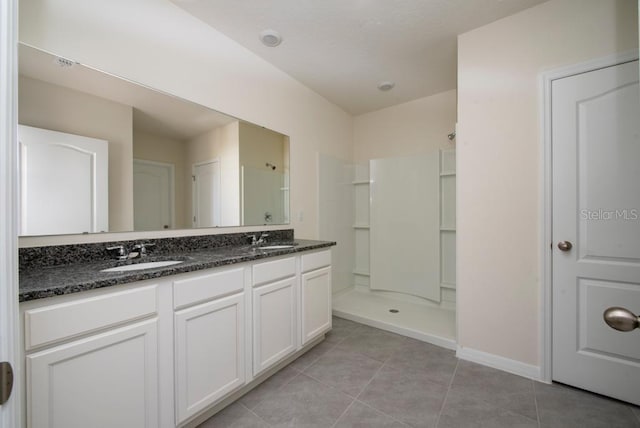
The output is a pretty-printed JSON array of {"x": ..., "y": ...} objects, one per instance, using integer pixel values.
[
  {"x": 142, "y": 249},
  {"x": 119, "y": 252},
  {"x": 258, "y": 241}
]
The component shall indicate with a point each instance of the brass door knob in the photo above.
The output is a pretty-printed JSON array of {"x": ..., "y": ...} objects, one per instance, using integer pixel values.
[
  {"x": 565, "y": 245},
  {"x": 621, "y": 319}
]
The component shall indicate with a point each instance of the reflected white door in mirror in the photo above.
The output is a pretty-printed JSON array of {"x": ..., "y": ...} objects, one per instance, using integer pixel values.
[
  {"x": 206, "y": 194},
  {"x": 153, "y": 195},
  {"x": 64, "y": 177}
]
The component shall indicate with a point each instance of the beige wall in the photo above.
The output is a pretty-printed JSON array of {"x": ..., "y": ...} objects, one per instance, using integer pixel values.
[
  {"x": 219, "y": 144},
  {"x": 414, "y": 127},
  {"x": 156, "y": 43},
  {"x": 163, "y": 149},
  {"x": 499, "y": 161},
  {"x": 48, "y": 106}
]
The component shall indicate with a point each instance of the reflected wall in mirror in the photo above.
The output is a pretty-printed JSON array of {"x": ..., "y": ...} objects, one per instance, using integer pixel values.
[{"x": 171, "y": 164}]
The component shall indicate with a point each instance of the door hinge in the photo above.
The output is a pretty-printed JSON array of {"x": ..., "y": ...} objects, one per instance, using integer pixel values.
[
  {"x": 193, "y": 177},
  {"x": 6, "y": 381}
]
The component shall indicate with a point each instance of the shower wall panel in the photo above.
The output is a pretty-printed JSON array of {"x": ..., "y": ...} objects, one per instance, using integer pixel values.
[
  {"x": 335, "y": 214},
  {"x": 405, "y": 225}
]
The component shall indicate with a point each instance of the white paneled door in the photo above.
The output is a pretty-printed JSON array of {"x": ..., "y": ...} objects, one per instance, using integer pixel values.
[
  {"x": 64, "y": 182},
  {"x": 153, "y": 195},
  {"x": 206, "y": 194},
  {"x": 596, "y": 229}
]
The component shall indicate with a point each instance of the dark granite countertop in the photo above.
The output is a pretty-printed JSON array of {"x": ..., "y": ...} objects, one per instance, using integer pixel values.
[{"x": 39, "y": 281}]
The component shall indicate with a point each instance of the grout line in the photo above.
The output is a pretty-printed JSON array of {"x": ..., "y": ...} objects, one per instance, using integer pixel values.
[
  {"x": 329, "y": 386},
  {"x": 365, "y": 387},
  {"x": 298, "y": 373},
  {"x": 343, "y": 413},
  {"x": 444, "y": 402},
  {"x": 382, "y": 413},
  {"x": 535, "y": 400},
  {"x": 255, "y": 414},
  {"x": 289, "y": 381},
  {"x": 382, "y": 365},
  {"x": 335, "y": 389},
  {"x": 315, "y": 360},
  {"x": 483, "y": 399},
  {"x": 634, "y": 415},
  {"x": 341, "y": 340},
  {"x": 370, "y": 380}
]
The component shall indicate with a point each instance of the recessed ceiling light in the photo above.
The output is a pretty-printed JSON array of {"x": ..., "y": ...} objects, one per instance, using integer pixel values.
[
  {"x": 386, "y": 85},
  {"x": 270, "y": 38}
]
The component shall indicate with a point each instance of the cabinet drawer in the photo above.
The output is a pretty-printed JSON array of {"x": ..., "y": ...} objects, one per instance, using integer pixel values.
[
  {"x": 205, "y": 287},
  {"x": 271, "y": 271},
  {"x": 316, "y": 260},
  {"x": 65, "y": 320}
]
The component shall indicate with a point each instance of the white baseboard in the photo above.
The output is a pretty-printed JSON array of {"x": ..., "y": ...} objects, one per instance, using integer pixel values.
[{"x": 501, "y": 363}]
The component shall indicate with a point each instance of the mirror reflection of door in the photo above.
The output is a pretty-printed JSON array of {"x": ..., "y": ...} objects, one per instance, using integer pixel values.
[
  {"x": 63, "y": 182},
  {"x": 206, "y": 194},
  {"x": 153, "y": 195}
]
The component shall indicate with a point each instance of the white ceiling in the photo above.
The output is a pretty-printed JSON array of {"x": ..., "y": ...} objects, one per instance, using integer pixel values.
[{"x": 342, "y": 48}]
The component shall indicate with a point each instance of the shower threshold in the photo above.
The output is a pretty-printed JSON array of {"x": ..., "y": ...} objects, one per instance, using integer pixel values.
[{"x": 429, "y": 324}]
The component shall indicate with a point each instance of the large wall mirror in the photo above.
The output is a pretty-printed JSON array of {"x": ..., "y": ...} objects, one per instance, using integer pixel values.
[{"x": 102, "y": 154}]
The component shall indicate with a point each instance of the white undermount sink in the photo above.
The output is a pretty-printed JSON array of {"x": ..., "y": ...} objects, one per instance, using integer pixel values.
[
  {"x": 141, "y": 266},
  {"x": 276, "y": 247}
]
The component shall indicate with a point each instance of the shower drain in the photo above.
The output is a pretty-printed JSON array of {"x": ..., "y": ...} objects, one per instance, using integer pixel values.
[{"x": 394, "y": 311}]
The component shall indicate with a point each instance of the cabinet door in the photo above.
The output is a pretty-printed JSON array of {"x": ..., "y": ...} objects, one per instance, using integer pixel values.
[
  {"x": 107, "y": 380},
  {"x": 274, "y": 323},
  {"x": 316, "y": 303},
  {"x": 210, "y": 353}
]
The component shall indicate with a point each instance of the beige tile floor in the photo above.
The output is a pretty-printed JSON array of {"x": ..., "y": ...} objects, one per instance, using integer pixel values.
[{"x": 365, "y": 377}]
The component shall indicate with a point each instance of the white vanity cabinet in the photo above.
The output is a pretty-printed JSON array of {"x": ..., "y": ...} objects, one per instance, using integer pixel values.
[
  {"x": 209, "y": 339},
  {"x": 315, "y": 286},
  {"x": 275, "y": 310},
  {"x": 168, "y": 352},
  {"x": 93, "y": 361}
]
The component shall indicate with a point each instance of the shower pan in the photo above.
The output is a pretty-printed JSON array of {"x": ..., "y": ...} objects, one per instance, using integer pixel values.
[{"x": 402, "y": 276}]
